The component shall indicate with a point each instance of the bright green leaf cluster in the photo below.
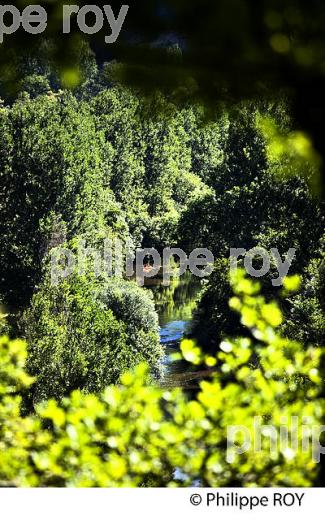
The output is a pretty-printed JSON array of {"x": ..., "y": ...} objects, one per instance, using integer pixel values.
[{"x": 135, "y": 434}]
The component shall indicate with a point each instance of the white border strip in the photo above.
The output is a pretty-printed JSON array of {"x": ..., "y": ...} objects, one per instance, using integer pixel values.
[{"x": 155, "y": 504}]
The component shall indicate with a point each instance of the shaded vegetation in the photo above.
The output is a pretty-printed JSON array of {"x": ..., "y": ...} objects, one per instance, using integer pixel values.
[{"x": 111, "y": 161}]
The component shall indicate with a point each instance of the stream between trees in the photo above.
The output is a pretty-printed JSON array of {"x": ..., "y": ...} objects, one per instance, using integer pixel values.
[{"x": 175, "y": 305}]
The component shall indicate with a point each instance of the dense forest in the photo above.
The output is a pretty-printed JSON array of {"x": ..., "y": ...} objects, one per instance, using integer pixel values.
[{"x": 105, "y": 160}]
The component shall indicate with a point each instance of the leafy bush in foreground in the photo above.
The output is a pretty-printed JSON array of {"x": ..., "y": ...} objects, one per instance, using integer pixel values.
[
  {"x": 84, "y": 333},
  {"x": 135, "y": 433}
]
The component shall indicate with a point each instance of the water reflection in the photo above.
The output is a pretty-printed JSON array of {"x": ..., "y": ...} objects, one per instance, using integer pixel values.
[
  {"x": 175, "y": 305},
  {"x": 177, "y": 301}
]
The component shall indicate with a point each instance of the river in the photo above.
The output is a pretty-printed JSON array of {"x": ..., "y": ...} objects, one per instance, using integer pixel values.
[{"x": 175, "y": 305}]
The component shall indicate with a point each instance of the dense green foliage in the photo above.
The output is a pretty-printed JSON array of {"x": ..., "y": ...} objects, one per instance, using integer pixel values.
[
  {"x": 81, "y": 334},
  {"x": 103, "y": 162},
  {"x": 135, "y": 433},
  {"x": 250, "y": 206},
  {"x": 306, "y": 320}
]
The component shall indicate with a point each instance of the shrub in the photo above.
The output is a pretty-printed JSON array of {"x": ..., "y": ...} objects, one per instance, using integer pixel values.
[
  {"x": 17, "y": 434},
  {"x": 85, "y": 333}
]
